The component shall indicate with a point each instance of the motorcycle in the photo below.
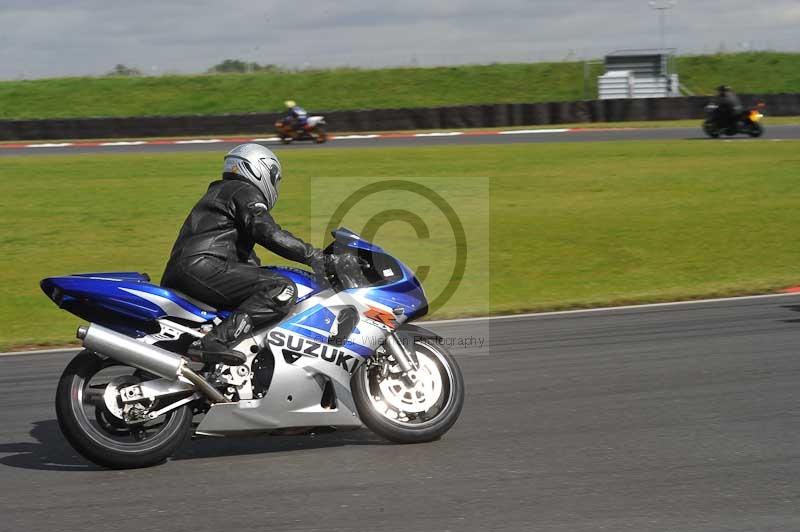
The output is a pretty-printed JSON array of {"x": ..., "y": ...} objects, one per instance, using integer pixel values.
[
  {"x": 346, "y": 355},
  {"x": 748, "y": 122},
  {"x": 313, "y": 129}
]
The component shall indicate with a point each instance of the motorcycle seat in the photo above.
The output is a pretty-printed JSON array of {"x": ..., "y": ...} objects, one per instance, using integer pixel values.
[{"x": 189, "y": 299}]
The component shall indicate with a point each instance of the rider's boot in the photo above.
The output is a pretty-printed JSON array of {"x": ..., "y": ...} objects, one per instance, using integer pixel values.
[{"x": 217, "y": 345}]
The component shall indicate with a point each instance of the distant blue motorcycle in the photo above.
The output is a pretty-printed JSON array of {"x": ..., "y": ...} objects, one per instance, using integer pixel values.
[{"x": 344, "y": 356}]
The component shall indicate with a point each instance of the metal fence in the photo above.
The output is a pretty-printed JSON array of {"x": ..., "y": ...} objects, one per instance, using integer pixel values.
[{"x": 463, "y": 116}]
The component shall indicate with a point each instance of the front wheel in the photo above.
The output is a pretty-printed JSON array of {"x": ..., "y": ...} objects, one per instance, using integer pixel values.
[
  {"x": 104, "y": 436},
  {"x": 319, "y": 134},
  {"x": 402, "y": 413}
]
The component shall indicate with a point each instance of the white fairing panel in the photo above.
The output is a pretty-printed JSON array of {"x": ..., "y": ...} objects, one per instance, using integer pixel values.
[
  {"x": 294, "y": 398},
  {"x": 304, "y": 365}
]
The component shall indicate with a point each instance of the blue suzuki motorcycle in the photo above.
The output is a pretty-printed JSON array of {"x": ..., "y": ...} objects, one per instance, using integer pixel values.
[{"x": 346, "y": 355}]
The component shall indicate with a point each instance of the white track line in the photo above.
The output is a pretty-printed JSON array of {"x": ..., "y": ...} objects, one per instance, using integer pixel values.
[
  {"x": 333, "y": 137},
  {"x": 531, "y": 131},
  {"x": 505, "y": 317},
  {"x": 440, "y": 134},
  {"x": 198, "y": 141},
  {"x": 50, "y": 145},
  {"x": 64, "y": 351},
  {"x": 605, "y": 309},
  {"x": 351, "y": 137},
  {"x": 124, "y": 143}
]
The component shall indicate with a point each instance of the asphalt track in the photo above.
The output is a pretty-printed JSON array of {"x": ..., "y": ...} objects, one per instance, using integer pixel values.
[
  {"x": 773, "y": 133},
  {"x": 682, "y": 417}
]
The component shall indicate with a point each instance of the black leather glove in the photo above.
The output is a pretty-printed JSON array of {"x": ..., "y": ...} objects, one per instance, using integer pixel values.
[
  {"x": 318, "y": 263},
  {"x": 347, "y": 262},
  {"x": 347, "y": 266}
]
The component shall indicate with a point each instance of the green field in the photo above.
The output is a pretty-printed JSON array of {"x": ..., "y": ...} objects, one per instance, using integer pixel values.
[
  {"x": 757, "y": 72},
  {"x": 571, "y": 225}
]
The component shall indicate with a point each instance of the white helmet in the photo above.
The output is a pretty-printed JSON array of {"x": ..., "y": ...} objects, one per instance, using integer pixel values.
[{"x": 258, "y": 165}]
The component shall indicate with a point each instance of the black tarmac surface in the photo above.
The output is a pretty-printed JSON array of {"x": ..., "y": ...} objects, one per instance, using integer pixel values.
[
  {"x": 773, "y": 133},
  {"x": 674, "y": 418}
]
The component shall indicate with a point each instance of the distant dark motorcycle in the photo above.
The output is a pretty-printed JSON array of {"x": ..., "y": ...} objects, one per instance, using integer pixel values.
[
  {"x": 313, "y": 129},
  {"x": 747, "y": 122}
]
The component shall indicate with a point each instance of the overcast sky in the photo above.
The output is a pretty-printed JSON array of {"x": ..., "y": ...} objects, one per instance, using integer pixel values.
[{"x": 43, "y": 38}]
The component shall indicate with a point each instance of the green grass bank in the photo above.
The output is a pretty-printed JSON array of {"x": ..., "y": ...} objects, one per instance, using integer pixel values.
[
  {"x": 756, "y": 72},
  {"x": 569, "y": 225}
]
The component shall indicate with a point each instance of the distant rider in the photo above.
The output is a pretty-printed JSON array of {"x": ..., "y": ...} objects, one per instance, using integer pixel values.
[
  {"x": 297, "y": 116},
  {"x": 213, "y": 258},
  {"x": 729, "y": 106}
]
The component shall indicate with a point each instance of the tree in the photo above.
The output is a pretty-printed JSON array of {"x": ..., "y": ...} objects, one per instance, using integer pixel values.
[
  {"x": 122, "y": 70},
  {"x": 241, "y": 67}
]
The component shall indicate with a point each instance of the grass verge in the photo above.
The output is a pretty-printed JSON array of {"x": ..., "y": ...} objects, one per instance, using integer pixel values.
[
  {"x": 571, "y": 225},
  {"x": 757, "y": 72}
]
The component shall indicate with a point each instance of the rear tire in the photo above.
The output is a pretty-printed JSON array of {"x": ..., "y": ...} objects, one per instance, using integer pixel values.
[
  {"x": 710, "y": 129},
  {"x": 755, "y": 130},
  {"x": 367, "y": 390},
  {"x": 95, "y": 440}
]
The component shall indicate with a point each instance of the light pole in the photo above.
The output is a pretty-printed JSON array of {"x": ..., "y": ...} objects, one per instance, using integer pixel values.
[{"x": 662, "y": 6}]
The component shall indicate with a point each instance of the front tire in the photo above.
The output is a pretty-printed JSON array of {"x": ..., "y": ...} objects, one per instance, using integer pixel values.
[
  {"x": 320, "y": 135},
  {"x": 103, "y": 438},
  {"x": 404, "y": 414}
]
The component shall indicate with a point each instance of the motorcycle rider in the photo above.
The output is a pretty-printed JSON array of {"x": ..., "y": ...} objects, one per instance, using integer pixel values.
[
  {"x": 213, "y": 258},
  {"x": 729, "y": 106},
  {"x": 297, "y": 116}
]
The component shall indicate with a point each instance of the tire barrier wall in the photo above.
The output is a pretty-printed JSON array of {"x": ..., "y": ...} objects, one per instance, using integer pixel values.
[{"x": 455, "y": 117}]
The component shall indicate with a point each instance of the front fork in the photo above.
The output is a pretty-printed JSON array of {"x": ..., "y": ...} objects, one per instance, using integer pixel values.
[{"x": 407, "y": 361}]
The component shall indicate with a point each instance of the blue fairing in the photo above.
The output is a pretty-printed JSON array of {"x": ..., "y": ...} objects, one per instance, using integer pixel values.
[
  {"x": 125, "y": 293},
  {"x": 109, "y": 296},
  {"x": 316, "y": 323},
  {"x": 403, "y": 291},
  {"x": 130, "y": 303},
  {"x": 406, "y": 293},
  {"x": 353, "y": 240},
  {"x": 305, "y": 281},
  {"x": 128, "y": 276}
]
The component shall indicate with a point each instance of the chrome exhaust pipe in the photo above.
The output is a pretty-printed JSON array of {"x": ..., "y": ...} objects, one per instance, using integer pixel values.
[
  {"x": 131, "y": 352},
  {"x": 144, "y": 356}
]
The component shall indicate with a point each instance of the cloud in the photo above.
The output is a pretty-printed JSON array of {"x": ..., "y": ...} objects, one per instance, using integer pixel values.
[{"x": 78, "y": 37}]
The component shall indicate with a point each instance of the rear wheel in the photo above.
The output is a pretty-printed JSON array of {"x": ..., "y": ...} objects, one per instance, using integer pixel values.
[
  {"x": 755, "y": 130},
  {"x": 102, "y": 435},
  {"x": 402, "y": 413},
  {"x": 710, "y": 129}
]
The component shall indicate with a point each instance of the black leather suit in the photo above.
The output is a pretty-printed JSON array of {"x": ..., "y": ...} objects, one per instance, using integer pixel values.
[
  {"x": 730, "y": 107},
  {"x": 213, "y": 259}
]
